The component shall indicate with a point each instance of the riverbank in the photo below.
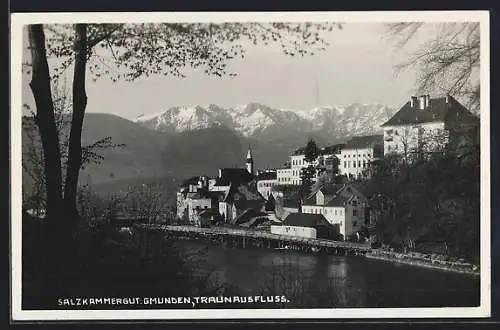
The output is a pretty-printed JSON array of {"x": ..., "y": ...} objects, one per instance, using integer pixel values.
[{"x": 425, "y": 260}]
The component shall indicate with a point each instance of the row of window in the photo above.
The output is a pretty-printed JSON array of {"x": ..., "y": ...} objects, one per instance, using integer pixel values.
[
  {"x": 266, "y": 184},
  {"x": 289, "y": 180},
  {"x": 320, "y": 211},
  {"x": 298, "y": 162},
  {"x": 361, "y": 164},
  {"x": 357, "y": 155}
]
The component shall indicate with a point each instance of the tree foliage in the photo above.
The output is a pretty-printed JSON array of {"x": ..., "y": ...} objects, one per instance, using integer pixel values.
[
  {"x": 446, "y": 64},
  {"x": 131, "y": 51},
  {"x": 308, "y": 173},
  {"x": 436, "y": 200}
]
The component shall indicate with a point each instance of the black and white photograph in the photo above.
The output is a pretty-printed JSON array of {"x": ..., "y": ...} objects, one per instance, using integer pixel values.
[{"x": 250, "y": 165}]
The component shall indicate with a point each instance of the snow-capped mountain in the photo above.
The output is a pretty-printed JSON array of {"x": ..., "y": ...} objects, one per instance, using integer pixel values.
[{"x": 253, "y": 119}]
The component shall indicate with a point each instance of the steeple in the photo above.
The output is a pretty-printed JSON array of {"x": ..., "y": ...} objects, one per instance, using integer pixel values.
[{"x": 249, "y": 161}]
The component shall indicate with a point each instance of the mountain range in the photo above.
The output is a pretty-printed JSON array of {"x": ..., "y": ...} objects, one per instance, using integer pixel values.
[
  {"x": 254, "y": 119},
  {"x": 186, "y": 141}
]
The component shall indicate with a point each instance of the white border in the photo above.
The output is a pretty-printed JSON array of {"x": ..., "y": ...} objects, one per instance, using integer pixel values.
[{"x": 19, "y": 20}]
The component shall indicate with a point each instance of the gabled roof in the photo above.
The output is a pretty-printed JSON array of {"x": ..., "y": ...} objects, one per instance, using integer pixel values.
[
  {"x": 330, "y": 189},
  {"x": 368, "y": 141},
  {"x": 438, "y": 110},
  {"x": 337, "y": 201},
  {"x": 244, "y": 196},
  {"x": 306, "y": 220}
]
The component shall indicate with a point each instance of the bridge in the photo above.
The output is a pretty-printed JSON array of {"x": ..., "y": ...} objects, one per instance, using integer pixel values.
[{"x": 244, "y": 238}]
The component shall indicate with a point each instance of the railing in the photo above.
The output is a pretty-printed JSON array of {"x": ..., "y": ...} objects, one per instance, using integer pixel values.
[{"x": 260, "y": 234}]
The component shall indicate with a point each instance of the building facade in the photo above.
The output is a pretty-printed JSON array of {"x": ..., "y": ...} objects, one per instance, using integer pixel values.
[
  {"x": 423, "y": 125},
  {"x": 358, "y": 153},
  {"x": 341, "y": 205}
]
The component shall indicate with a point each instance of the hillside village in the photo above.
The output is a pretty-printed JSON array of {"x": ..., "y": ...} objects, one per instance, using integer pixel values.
[{"x": 343, "y": 209}]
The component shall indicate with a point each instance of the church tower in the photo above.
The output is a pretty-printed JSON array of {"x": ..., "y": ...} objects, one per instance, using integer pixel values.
[{"x": 249, "y": 161}]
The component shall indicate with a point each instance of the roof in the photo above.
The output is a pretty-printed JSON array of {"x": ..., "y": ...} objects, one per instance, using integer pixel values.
[
  {"x": 244, "y": 196},
  {"x": 271, "y": 175},
  {"x": 192, "y": 180},
  {"x": 306, "y": 220},
  {"x": 299, "y": 151},
  {"x": 248, "y": 215},
  {"x": 367, "y": 141},
  {"x": 438, "y": 110},
  {"x": 336, "y": 201},
  {"x": 333, "y": 149},
  {"x": 233, "y": 175},
  {"x": 209, "y": 212},
  {"x": 330, "y": 189}
]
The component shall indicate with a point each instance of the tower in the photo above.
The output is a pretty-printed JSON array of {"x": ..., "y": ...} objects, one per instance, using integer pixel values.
[{"x": 249, "y": 161}]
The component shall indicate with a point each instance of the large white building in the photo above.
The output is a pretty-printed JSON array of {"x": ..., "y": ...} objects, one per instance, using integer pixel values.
[
  {"x": 290, "y": 174},
  {"x": 358, "y": 153},
  {"x": 424, "y": 125}
]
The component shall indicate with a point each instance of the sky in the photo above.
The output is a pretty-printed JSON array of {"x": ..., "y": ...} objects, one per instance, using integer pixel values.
[{"x": 357, "y": 66}]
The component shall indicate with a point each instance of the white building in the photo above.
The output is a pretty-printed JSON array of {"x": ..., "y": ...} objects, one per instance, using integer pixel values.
[
  {"x": 424, "y": 124},
  {"x": 341, "y": 205},
  {"x": 291, "y": 173},
  {"x": 294, "y": 231},
  {"x": 358, "y": 153}
]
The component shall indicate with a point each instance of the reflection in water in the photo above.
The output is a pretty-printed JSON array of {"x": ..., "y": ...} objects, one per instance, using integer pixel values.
[{"x": 331, "y": 281}]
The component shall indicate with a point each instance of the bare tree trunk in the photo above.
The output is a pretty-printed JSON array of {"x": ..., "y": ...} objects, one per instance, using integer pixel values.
[
  {"x": 45, "y": 120},
  {"x": 79, "y": 105}
]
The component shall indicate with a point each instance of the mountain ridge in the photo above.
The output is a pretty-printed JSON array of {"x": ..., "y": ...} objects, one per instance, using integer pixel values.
[{"x": 251, "y": 119}]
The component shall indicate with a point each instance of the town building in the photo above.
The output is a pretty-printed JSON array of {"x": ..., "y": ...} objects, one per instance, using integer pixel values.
[
  {"x": 202, "y": 201},
  {"x": 358, "y": 153},
  {"x": 424, "y": 125},
  {"x": 239, "y": 198},
  {"x": 342, "y": 205},
  {"x": 306, "y": 225},
  {"x": 291, "y": 174}
]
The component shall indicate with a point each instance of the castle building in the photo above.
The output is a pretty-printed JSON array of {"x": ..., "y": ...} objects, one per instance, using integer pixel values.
[{"x": 424, "y": 124}]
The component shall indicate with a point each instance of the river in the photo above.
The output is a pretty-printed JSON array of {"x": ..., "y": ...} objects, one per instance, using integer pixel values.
[{"x": 321, "y": 281}]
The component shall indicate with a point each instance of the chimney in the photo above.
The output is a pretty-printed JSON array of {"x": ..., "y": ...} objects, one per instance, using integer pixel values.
[
  {"x": 448, "y": 98},
  {"x": 413, "y": 101},
  {"x": 427, "y": 100},
  {"x": 421, "y": 102}
]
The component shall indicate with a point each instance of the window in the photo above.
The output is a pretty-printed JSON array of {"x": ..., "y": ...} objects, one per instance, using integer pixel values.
[
  {"x": 354, "y": 164},
  {"x": 345, "y": 163},
  {"x": 354, "y": 212},
  {"x": 354, "y": 203},
  {"x": 354, "y": 223},
  {"x": 359, "y": 163},
  {"x": 335, "y": 212}
]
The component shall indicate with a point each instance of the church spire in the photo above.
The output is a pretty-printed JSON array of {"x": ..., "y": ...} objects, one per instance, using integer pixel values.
[{"x": 249, "y": 161}]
